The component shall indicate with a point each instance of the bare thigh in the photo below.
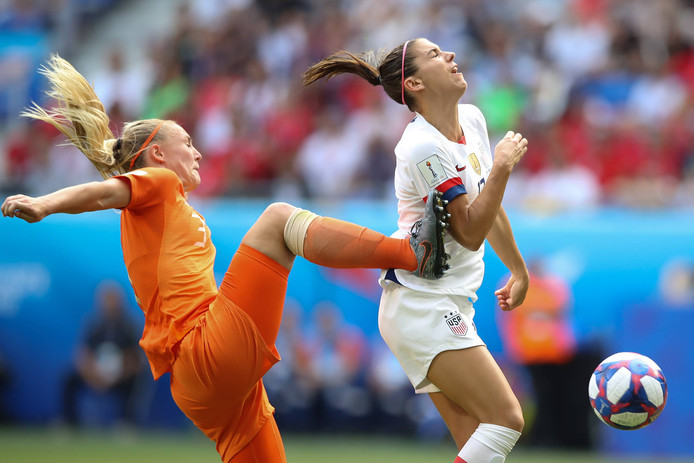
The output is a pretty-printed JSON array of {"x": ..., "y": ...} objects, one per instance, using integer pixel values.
[
  {"x": 459, "y": 422},
  {"x": 267, "y": 234},
  {"x": 477, "y": 389}
]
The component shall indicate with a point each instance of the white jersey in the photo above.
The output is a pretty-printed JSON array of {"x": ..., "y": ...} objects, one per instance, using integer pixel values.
[{"x": 427, "y": 159}]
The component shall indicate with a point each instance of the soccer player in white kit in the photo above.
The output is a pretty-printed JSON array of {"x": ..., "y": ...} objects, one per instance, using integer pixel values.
[{"x": 429, "y": 324}]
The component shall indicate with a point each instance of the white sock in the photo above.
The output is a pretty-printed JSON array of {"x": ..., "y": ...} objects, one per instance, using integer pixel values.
[{"x": 489, "y": 444}]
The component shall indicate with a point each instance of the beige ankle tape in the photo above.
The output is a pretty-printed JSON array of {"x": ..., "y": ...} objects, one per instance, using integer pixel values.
[{"x": 295, "y": 230}]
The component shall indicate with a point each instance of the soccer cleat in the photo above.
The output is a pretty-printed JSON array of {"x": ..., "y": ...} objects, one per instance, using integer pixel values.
[{"x": 427, "y": 238}]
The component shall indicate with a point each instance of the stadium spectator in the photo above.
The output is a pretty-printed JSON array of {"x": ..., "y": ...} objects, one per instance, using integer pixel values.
[
  {"x": 108, "y": 360},
  {"x": 330, "y": 157},
  {"x": 121, "y": 86},
  {"x": 337, "y": 353},
  {"x": 676, "y": 285}
]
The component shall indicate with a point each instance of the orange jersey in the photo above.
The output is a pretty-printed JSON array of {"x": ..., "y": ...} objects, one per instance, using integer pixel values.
[{"x": 169, "y": 258}]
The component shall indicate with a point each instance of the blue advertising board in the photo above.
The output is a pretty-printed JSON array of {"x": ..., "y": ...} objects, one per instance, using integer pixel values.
[{"x": 614, "y": 261}]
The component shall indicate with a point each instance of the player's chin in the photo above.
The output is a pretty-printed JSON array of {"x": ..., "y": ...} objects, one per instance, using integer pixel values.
[
  {"x": 194, "y": 182},
  {"x": 461, "y": 82}
]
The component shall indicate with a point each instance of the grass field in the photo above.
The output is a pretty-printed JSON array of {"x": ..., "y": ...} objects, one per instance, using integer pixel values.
[{"x": 58, "y": 446}]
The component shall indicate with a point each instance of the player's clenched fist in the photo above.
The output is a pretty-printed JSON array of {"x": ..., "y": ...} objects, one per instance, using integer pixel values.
[
  {"x": 22, "y": 207},
  {"x": 510, "y": 149}
]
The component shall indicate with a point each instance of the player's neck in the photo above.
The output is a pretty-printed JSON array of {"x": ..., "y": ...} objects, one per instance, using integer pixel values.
[{"x": 445, "y": 119}]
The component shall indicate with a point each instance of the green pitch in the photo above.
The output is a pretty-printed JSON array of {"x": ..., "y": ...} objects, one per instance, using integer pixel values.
[{"x": 58, "y": 446}]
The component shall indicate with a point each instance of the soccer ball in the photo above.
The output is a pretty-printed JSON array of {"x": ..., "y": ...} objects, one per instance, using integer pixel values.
[{"x": 627, "y": 391}]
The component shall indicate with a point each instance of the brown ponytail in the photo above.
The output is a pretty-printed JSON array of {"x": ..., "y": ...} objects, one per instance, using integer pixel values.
[{"x": 377, "y": 68}]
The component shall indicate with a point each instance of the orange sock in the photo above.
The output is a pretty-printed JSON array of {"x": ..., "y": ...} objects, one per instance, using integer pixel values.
[{"x": 335, "y": 243}]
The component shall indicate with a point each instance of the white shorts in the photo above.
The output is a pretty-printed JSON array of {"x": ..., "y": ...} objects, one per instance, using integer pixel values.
[{"x": 418, "y": 326}]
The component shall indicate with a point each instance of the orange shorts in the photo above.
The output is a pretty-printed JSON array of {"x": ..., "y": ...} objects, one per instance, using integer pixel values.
[{"x": 216, "y": 378}]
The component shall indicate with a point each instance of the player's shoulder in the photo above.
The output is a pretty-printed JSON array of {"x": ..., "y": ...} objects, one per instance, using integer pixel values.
[
  {"x": 157, "y": 181},
  {"x": 419, "y": 138},
  {"x": 470, "y": 111},
  {"x": 158, "y": 174}
]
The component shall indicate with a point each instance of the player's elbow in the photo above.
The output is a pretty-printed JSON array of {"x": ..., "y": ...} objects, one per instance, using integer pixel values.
[
  {"x": 470, "y": 242},
  {"x": 474, "y": 245},
  {"x": 465, "y": 230}
]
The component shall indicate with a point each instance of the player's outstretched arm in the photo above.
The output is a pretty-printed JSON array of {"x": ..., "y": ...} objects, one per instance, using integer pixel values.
[
  {"x": 93, "y": 196},
  {"x": 471, "y": 221}
]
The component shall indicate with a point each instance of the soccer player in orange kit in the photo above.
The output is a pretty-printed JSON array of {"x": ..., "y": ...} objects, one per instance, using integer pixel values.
[{"x": 216, "y": 343}]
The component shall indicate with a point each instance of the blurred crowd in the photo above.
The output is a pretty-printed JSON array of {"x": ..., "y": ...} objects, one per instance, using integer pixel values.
[
  {"x": 334, "y": 378},
  {"x": 603, "y": 89}
]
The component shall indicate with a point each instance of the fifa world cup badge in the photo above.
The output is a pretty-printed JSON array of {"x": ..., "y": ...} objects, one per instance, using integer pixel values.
[
  {"x": 432, "y": 170},
  {"x": 456, "y": 323}
]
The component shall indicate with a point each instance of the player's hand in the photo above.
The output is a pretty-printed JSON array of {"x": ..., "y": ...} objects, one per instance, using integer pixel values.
[
  {"x": 513, "y": 293},
  {"x": 23, "y": 207},
  {"x": 510, "y": 150}
]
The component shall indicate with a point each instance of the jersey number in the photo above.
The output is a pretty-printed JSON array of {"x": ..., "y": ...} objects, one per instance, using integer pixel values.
[
  {"x": 203, "y": 229},
  {"x": 480, "y": 185}
]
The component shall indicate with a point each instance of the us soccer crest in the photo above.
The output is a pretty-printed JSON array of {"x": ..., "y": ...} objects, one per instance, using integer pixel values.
[
  {"x": 475, "y": 163},
  {"x": 456, "y": 323}
]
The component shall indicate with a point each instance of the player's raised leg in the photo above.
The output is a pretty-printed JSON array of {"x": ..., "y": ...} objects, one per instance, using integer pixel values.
[{"x": 284, "y": 231}]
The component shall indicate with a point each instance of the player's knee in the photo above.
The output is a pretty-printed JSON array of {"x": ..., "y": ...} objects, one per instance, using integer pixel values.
[
  {"x": 509, "y": 416},
  {"x": 269, "y": 228},
  {"x": 513, "y": 419},
  {"x": 267, "y": 233},
  {"x": 278, "y": 213},
  {"x": 274, "y": 218}
]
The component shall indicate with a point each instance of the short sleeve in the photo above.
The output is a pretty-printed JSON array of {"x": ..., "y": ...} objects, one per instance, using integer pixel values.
[
  {"x": 150, "y": 186},
  {"x": 430, "y": 166}
]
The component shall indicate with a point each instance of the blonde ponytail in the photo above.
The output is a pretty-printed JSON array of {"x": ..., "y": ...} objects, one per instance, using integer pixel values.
[
  {"x": 78, "y": 114},
  {"x": 81, "y": 117}
]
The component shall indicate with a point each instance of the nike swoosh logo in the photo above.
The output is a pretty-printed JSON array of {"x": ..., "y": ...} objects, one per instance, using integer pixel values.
[
  {"x": 460, "y": 169},
  {"x": 428, "y": 248}
]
